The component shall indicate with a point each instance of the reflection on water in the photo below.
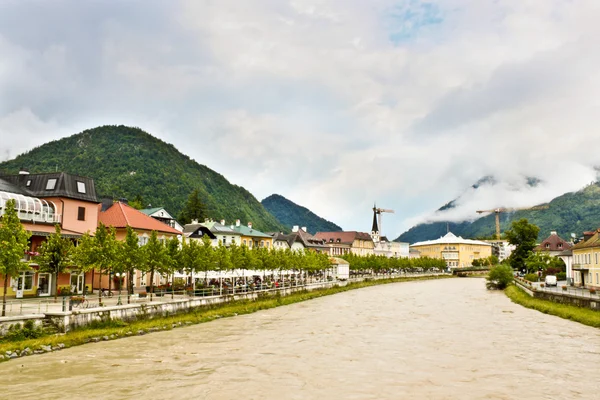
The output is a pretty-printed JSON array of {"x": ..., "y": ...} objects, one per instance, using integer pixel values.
[{"x": 435, "y": 339}]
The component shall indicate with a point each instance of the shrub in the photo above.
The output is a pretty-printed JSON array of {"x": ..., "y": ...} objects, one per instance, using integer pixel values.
[
  {"x": 499, "y": 277},
  {"x": 561, "y": 276},
  {"x": 531, "y": 277},
  {"x": 592, "y": 291}
]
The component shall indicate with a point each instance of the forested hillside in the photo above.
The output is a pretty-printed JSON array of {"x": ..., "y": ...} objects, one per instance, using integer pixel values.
[
  {"x": 128, "y": 162},
  {"x": 289, "y": 214},
  {"x": 570, "y": 213}
]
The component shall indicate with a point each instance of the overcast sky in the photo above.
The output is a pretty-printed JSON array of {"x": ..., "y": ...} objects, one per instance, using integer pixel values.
[{"x": 333, "y": 104}]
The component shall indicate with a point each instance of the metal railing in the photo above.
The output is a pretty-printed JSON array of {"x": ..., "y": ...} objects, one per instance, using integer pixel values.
[{"x": 80, "y": 302}]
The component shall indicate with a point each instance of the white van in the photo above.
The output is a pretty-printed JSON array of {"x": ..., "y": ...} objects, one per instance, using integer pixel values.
[{"x": 550, "y": 280}]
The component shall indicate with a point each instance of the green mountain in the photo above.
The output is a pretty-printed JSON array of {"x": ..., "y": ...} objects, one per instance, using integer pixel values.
[
  {"x": 128, "y": 162},
  {"x": 570, "y": 213},
  {"x": 290, "y": 214}
]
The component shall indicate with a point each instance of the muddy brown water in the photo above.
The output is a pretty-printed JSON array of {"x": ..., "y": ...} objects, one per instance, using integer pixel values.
[{"x": 446, "y": 339}]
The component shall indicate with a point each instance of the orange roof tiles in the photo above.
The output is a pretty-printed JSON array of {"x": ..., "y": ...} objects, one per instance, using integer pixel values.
[{"x": 120, "y": 215}]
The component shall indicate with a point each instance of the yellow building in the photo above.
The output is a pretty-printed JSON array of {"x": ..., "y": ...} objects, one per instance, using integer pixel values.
[
  {"x": 586, "y": 258},
  {"x": 251, "y": 237},
  {"x": 456, "y": 251}
]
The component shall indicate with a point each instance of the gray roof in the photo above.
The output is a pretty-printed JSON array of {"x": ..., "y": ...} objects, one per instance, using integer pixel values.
[
  {"x": 66, "y": 185},
  {"x": 10, "y": 188}
]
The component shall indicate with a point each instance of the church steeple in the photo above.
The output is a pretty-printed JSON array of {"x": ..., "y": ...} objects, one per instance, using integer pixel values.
[{"x": 375, "y": 227}]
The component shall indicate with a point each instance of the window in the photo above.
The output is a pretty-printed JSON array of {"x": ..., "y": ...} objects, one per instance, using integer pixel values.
[
  {"x": 81, "y": 213},
  {"x": 224, "y": 240},
  {"x": 51, "y": 184},
  {"x": 28, "y": 183},
  {"x": 596, "y": 258},
  {"x": 547, "y": 245},
  {"x": 81, "y": 187}
]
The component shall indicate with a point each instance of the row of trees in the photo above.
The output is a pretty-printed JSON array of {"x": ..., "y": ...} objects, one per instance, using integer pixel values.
[{"x": 379, "y": 263}]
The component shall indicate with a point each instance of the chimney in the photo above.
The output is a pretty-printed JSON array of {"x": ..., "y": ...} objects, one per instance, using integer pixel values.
[
  {"x": 553, "y": 232},
  {"x": 587, "y": 236},
  {"x": 250, "y": 225},
  {"x": 237, "y": 222},
  {"x": 222, "y": 222},
  {"x": 295, "y": 228},
  {"x": 194, "y": 221},
  {"x": 304, "y": 229},
  {"x": 23, "y": 171}
]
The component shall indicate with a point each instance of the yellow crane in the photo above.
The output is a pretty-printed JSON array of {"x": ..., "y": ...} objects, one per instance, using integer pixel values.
[{"x": 497, "y": 211}]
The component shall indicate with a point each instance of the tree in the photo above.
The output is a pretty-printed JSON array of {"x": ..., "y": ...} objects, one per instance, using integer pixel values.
[
  {"x": 128, "y": 258},
  {"x": 55, "y": 256},
  {"x": 137, "y": 203},
  {"x": 542, "y": 262},
  {"x": 173, "y": 260},
  {"x": 84, "y": 255},
  {"x": 499, "y": 277},
  {"x": 106, "y": 252},
  {"x": 194, "y": 209},
  {"x": 13, "y": 245},
  {"x": 523, "y": 235},
  {"x": 154, "y": 258}
]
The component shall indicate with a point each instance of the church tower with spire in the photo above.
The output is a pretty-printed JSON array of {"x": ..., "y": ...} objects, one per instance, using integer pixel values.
[{"x": 375, "y": 228}]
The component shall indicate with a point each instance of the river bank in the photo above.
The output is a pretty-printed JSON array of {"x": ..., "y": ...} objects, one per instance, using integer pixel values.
[
  {"x": 114, "y": 329},
  {"x": 578, "y": 314},
  {"x": 434, "y": 339}
]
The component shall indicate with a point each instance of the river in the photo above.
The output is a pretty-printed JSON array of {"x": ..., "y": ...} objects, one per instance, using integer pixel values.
[{"x": 442, "y": 339}]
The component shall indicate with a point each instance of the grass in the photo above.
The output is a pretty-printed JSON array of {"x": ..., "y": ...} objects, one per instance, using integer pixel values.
[
  {"x": 582, "y": 315},
  {"x": 198, "y": 315}
]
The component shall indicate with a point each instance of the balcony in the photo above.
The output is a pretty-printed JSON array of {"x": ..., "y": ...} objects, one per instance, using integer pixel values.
[{"x": 30, "y": 209}]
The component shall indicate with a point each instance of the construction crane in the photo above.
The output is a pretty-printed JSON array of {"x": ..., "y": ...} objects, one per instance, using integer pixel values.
[
  {"x": 497, "y": 211},
  {"x": 377, "y": 212}
]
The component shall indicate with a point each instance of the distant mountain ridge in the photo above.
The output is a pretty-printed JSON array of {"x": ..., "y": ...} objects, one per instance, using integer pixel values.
[
  {"x": 569, "y": 213},
  {"x": 289, "y": 214},
  {"x": 128, "y": 162}
]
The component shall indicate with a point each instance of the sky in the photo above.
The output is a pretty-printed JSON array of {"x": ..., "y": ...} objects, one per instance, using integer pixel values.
[{"x": 333, "y": 104}]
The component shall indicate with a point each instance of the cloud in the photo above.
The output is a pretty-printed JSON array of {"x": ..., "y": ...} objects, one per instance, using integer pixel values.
[{"x": 334, "y": 105}]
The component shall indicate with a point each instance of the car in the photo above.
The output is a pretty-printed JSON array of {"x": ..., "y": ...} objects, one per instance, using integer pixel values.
[{"x": 550, "y": 280}]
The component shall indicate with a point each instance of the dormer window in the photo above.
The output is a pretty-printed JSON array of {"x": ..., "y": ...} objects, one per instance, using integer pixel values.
[
  {"x": 51, "y": 184},
  {"x": 560, "y": 245},
  {"x": 547, "y": 245},
  {"x": 81, "y": 187}
]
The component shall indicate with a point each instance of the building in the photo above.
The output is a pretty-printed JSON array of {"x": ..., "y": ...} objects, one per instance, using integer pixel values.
[
  {"x": 281, "y": 241},
  {"x": 501, "y": 248},
  {"x": 586, "y": 254},
  {"x": 120, "y": 216},
  {"x": 222, "y": 234},
  {"x": 251, "y": 237},
  {"x": 553, "y": 245},
  {"x": 351, "y": 242},
  {"x": 163, "y": 216},
  {"x": 300, "y": 240},
  {"x": 43, "y": 201},
  {"x": 456, "y": 251}
]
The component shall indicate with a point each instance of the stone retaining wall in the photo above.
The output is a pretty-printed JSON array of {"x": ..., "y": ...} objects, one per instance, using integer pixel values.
[{"x": 562, "y": 298}]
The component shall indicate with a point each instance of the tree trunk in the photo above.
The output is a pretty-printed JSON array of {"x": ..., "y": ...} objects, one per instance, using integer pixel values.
[
  {"x": 4, "y": 295},
  {"x": 84, "y": 291},
  {"x": 151, "y": 283},
  {"x": 100, "y": 287},
  {"x": 129, "y": 287},
  {"x": 56, "y": 286}
]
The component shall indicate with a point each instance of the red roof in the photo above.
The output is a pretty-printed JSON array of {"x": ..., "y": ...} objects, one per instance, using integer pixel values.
[
  {"x": 553, "y": 243},
  {"x": 120, "y": 215}
]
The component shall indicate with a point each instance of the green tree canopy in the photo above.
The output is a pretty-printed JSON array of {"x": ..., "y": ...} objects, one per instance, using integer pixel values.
[
  {"x": 55, "y": 256},
  {"x": 523, "y": 235},
  {"x": 13, "y": 245},
  {"x": 194, "y": 208}
]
